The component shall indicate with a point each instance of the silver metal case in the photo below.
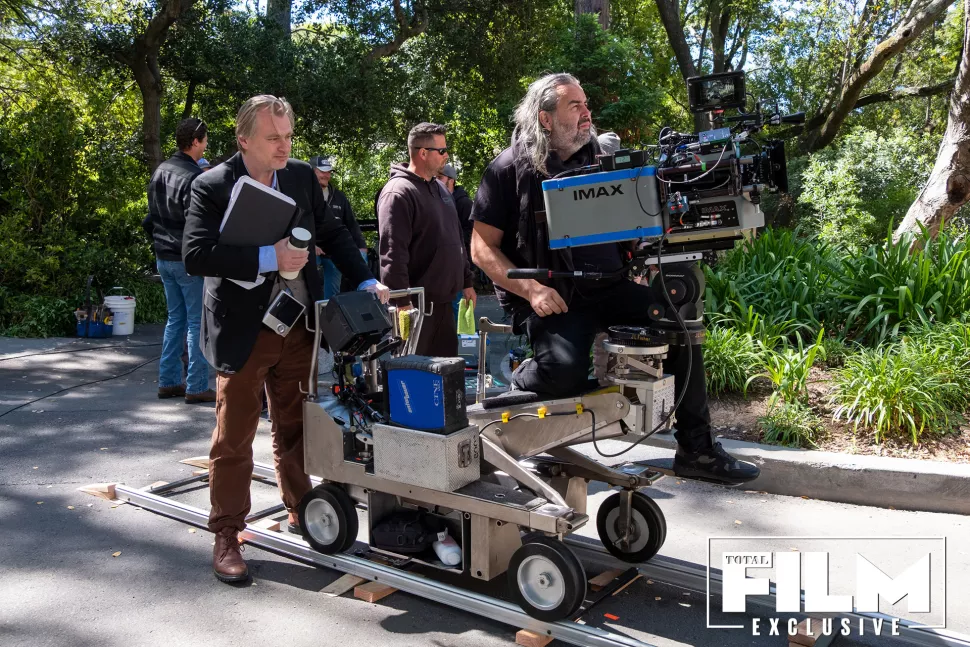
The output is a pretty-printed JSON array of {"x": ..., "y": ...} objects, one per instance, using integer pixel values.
[
  {"x": 604, "y": 207},
  {"x": 656, "y": 399},
  {"x": 439, "y": 462}
]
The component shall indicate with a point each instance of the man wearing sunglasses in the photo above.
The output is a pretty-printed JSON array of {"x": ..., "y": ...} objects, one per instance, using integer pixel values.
[
  {"x": 421, "y": 240},
  {"x": 168, "y": 201}
]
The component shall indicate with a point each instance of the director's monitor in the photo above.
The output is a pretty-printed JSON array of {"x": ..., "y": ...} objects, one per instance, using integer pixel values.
[
  {"x": 722, "y": 91},
  {"x": 624, "y": 205}
]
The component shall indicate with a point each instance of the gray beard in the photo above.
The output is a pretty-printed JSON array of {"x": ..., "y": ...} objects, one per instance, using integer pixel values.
[{"x": 567, "y": 147}]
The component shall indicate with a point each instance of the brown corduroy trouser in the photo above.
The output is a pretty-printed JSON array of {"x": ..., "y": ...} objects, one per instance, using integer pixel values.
[{"x": 280, "y": 363}]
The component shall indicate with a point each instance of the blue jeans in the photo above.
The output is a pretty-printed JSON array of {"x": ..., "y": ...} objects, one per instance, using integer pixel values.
[
  {"x": 331, "y": 277},
  {"x": 183, "y": 294}
]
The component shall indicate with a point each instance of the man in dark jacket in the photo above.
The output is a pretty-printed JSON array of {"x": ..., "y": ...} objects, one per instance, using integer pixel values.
[
  {"x": 247, "y": 353},
  {"x": 340, "y": 205},
  {"x": 554, "y": 133},
  {"x": 420, "y": 240},
  {"x": 168, "y": 200},
  {"x": 463, "y": 203}
]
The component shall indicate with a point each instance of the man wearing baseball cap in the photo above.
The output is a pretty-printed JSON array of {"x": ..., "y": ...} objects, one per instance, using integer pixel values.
[{"x": 338, "y": 203}]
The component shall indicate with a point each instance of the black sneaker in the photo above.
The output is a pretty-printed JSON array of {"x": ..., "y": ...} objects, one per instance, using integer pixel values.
[{"x": 714, "y": 464}]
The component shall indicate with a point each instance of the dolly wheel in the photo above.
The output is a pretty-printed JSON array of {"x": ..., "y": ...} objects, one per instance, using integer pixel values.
[
  {"x": 547, "y": 580},
  {"x": 648, "y": 528},
  {"x": 328, "y": 519}
]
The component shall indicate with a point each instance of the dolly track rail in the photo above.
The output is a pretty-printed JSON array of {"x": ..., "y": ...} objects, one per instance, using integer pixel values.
[
  {"x": 663, "y": 569},
  {"x": 294, "y": 548}
]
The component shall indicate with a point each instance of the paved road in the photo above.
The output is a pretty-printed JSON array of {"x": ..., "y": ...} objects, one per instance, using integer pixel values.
[{"x": 61, "y": 585}]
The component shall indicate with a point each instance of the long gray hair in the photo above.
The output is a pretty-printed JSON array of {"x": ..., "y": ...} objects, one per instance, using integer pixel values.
[{"x": 530, "y": 139}]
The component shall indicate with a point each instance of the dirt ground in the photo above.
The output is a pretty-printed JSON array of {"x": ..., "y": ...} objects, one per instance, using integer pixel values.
[{"x": 736, "y": 417}]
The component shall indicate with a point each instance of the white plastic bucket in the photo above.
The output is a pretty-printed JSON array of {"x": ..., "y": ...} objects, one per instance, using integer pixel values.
[{"x": 123, "y": 309}]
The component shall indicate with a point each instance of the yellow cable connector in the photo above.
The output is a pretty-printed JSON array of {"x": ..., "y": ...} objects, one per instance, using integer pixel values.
[
  {"x": 542, "y": 412},
  {"x": 579, "y": 409},
  {"x": 505, "y": 417}
]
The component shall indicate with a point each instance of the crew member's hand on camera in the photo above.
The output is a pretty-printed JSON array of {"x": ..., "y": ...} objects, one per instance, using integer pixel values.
[
  {"x": 546, "y": 301},
  {"x": 287, "y": 259},
  {"x": 382, "y": 291}
]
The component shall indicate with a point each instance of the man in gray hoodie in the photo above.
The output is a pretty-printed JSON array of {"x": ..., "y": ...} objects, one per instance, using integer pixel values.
[{"x": 421, "y": 241}]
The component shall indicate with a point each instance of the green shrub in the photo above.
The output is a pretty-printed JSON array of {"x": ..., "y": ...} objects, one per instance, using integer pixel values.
[
  {"x": 834, "y": 352},
  {"x": 774, "y": 286},
  {"x": 853, "y": 191},
  {"x": 897, "y": 388},
  {"x": 150, "y": 305},
  {"x": 887, "y": 286},
  {"x": 730, "y": 356},
  {"x": 792, "y": 424},
  {"x": 23, "y": 315},
  {"x": 788, "y": 371}
]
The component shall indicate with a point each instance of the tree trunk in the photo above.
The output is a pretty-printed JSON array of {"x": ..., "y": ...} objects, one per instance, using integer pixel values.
[
  {"x": 670, "y": 17},
  {"x": 279, "y": 11},
  {"x": 601, "y": 7},
  {"x": 189, "y": 100},
  {"x": 151, "y": 123},
  {"x": 948, "y": 187}
]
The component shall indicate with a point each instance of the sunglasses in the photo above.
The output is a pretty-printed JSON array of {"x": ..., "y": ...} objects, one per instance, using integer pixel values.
[
  {"x": 441, "y": 151},
  {"x": 199, "y": 127}
]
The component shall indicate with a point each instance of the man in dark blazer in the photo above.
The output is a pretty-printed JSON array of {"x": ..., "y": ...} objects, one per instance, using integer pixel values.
[{"x": 246, "y": 353}]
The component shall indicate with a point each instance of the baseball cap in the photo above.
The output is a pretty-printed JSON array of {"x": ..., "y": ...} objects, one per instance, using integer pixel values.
[
  {"x": 321, "y": 163},
  {"x": 609, "y": 142},
  {"x": 203, "y": 163},
  {"x": 449, "y": 171}
]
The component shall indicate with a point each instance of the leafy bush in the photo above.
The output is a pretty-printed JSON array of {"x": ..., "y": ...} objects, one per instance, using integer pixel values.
[
  {"x": 912, "y": 387},
  {"x": 887, "y": 286},
  {"x": 26, "y": 315},
  {"x": 853, "y": 191},
  {"x": 792, "y": 424},
  {"x": 730, "y": 356},
  {"x": 788, "y": 371},
  {"x": 774, "y": 286}
]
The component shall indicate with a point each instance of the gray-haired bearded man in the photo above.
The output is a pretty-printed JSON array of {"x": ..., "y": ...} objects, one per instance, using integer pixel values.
[{"x": 554, "y": 133}]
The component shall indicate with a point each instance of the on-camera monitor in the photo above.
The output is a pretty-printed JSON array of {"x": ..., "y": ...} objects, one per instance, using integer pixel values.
[{"x": 716, "y": 91}]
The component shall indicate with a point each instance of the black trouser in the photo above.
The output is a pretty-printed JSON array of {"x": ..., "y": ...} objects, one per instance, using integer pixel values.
[
  {"x": 439, "y": 332},
  {"x": 561, "y": 345}
]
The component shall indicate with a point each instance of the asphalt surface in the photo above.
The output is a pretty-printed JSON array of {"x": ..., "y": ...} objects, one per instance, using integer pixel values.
[{"x": 79, "y": 571}]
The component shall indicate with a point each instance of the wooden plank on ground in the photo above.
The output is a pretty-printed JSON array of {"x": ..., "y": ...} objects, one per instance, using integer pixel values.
[
  {"x": 528, "y": 638},
  {"x": 601, "y": 580},
  {"x": 200, "y": 472},
  {"x": 101, "y": 490},
  {"x": 802, "y": 639},
  {"x": 156, "y": 484},
  {"x": 267, "y": 523},
  {"x": 341, "y": 585},
  {"x": 197, "y": 461},
  {"x": 373, "y": 591},
  {"x": 620, "y": 590}
]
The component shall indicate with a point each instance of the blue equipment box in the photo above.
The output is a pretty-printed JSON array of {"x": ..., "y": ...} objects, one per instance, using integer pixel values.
[{"x": 425, "y": 393}]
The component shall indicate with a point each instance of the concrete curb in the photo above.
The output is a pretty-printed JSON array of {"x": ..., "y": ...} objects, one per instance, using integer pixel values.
[{"x": 900, "y": 483}]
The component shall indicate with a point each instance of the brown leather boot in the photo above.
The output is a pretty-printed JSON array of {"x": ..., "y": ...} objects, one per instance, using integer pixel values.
[
  {"x": 227, "y": 561},
  {"x": 205, "y": 396},
  {"x": 165, "y": 392}
]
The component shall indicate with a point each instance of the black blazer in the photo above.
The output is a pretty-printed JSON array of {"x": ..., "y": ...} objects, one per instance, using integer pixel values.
[{"x": 233, "y": 316}]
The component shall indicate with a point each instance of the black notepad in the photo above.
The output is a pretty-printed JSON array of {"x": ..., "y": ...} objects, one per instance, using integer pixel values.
[{"x": 257, "y": 215}]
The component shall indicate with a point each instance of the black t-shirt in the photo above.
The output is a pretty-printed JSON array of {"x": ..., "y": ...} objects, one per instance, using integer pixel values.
[{"x": 497, "y": 204}]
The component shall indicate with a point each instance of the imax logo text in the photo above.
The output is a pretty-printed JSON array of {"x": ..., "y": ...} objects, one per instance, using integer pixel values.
[{"x": 601, "y": 192}]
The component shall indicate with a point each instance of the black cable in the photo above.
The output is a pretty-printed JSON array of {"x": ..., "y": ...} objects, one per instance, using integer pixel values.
[
  {"x": 690, "y": 361},
  {"x": 77, "y": 350},
  {"x": 76, "y": 386},
  {"x": 518, "y": 415}
]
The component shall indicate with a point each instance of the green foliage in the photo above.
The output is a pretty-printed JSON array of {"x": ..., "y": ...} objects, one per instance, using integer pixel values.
[
  {"x": 792, "y": 424},
  {"x": 854, "y": 191},
  {"x": 886, "y": 286},
  {"x": 25, "y": 315},
  {"x": 788, "y": 370},
  {"x": 730, "y": 356},
  {"x": 773, "y": 286}
]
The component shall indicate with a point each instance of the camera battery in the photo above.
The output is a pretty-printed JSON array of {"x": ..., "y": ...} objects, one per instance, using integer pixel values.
[{"x": 425, "y": 393}]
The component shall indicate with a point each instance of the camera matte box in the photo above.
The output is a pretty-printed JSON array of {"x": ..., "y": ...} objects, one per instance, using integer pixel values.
[{"x": 425, "y": 393}]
